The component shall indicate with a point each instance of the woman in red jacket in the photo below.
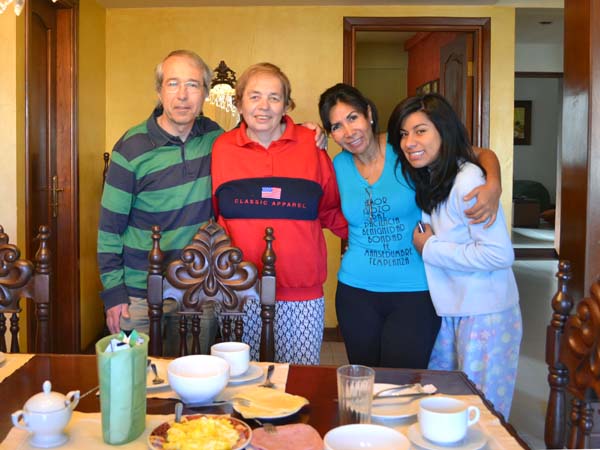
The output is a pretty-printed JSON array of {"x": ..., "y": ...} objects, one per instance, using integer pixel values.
[{"x": 269, "y": 172}]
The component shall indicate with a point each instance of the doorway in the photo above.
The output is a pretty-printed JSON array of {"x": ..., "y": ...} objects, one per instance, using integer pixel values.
[
  {"x": 51, "y": 187},
  {"x": 478, "y": 32}
]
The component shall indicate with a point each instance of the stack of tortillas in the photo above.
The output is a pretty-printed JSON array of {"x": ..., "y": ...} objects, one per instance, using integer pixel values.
[{"x": 267, "y": 402}]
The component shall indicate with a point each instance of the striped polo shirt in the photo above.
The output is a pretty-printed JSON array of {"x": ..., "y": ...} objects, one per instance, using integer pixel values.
[{"x": 154, "y": 178}]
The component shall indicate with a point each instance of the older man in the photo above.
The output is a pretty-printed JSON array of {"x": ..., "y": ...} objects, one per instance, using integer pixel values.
[{"x": 159, "y": 175}]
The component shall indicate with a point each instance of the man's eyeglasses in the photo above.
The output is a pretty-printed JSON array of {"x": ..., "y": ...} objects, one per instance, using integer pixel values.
[{"x": 173, "y": 86}]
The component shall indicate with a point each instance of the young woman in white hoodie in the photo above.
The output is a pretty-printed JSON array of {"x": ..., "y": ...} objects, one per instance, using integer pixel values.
[{"x": 468, "y": 266}]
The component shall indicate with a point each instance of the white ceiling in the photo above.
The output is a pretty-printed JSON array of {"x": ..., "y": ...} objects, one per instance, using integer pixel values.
[{"x": 529, "y": 30}]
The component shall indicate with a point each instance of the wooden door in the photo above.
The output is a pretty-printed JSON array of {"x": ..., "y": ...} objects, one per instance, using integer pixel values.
[
  {"x": 456, "y": 77},
  {"x": 51, "y": 160}
]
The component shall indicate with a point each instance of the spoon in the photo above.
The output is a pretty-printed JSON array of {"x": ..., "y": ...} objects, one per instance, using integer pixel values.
[
  {"x": 268, "y": 383},
  {"x": 178, "y": 411},
  {"x": 157, "y": 379},
  {"x": 395, "y": 388}
]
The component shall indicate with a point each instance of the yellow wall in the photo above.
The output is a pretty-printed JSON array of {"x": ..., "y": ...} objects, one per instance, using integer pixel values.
[
  {"x": 12, "y": 125},
  {"x": 12, "y": 132},
  {"x": 306, "y": 42},
  {"x": 92, "y": 125}
]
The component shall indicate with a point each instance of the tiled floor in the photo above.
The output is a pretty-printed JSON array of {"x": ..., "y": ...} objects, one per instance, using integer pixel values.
[{"x": 333, "y": 354}]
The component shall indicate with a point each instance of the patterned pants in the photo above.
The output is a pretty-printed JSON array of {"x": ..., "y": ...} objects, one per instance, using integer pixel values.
[
  {"x": 298, "y": 330},
  {"x": 486, "y": 348}
]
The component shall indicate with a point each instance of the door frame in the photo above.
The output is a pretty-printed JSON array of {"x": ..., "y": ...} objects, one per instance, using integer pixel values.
[
  {"x": 66, "y": 324},
  {"x": 480, "y": 27}
]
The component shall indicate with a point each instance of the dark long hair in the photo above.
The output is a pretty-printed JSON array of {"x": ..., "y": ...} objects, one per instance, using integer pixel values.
[
  {"x": 344, "y": 93},
  {"x": 433, "y": 183}
]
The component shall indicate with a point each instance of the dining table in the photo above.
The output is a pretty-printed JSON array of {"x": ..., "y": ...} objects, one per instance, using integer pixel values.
[{"x": 318, "y": 384}]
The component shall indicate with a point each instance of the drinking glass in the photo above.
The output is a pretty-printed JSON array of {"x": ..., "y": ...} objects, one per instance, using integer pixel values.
[{"x": 355, "y": 393}]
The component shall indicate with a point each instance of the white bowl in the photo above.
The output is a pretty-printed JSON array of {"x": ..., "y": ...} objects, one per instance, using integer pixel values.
[
  {"x": 365, "y": 436},
  {"x": 198, "y": 378}
]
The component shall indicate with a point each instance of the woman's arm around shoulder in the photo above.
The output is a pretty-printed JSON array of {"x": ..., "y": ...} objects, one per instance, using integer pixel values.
[{"x": 488, "y": 194}]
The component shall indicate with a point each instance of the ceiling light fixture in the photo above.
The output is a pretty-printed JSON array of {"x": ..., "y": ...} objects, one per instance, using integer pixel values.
[{"x": 19, "y": 5}]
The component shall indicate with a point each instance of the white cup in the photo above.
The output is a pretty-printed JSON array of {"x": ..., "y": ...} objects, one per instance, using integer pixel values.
[
  {"x": 237, "y": 354},
  {"x": 445, "y": 420}
]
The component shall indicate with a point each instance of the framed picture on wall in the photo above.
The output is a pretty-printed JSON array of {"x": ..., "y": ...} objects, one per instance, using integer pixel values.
[
  {"x": 522, "y": 122},
  {"x": 424, "y": 88},
  {"x": 430, "y": 86}
]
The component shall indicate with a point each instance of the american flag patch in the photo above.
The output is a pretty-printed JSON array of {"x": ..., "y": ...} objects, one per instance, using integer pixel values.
[{"x": 271, "y": 192}]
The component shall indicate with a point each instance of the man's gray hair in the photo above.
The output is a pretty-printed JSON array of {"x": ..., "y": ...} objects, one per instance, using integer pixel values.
[{"x": 199, "y": 62}]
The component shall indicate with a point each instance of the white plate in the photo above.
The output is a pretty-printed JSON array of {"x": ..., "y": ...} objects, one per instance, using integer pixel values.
[
  {"x": 270, "y": 416},
  {"x": 161, "y": 368},
  {"x": 2, "y": 358},
  {"x": 365, "y": 436},
  {"x": 393, "y": 408},
  {"x": 268, "y": 403},
  {"x": 254, "y": 372},
  {"x": 474, "y": 440},
  {"x": 158, "y": 435}
]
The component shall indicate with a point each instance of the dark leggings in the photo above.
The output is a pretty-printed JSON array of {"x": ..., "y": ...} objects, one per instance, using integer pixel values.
[{"x": 387, "y": 329}]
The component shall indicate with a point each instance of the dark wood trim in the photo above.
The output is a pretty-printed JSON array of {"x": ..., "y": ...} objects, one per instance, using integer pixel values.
[
  {"x": 536, "y": 253},
  {"x": 538, "y": 74},
  {"x": 479, "y": 26},
  {"x": 332, "y": 335},
  {"x": 580, "y": 174}
]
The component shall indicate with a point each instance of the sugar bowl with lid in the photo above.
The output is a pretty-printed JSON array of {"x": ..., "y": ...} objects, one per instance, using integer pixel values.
[{"x": 46, "y": 415}]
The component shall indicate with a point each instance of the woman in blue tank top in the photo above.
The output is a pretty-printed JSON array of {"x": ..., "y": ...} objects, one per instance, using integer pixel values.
[{"x": 383, "y": 305}]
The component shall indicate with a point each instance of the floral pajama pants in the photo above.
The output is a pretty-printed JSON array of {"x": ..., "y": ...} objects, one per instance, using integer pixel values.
[
  {"x": 486, "y": 348},
  {"x": 298, "y": 330}
]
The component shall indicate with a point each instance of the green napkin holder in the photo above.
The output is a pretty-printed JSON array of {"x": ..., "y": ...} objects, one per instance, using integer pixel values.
[{"x": 122, "y": 378}]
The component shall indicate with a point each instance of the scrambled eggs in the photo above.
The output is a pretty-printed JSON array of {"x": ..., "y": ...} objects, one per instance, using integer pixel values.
[{"x": 205, "y": 433}]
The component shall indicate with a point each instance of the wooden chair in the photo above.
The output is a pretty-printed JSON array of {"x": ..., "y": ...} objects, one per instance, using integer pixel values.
[
  {"x": 20, "y": 278},
  {"x": 210, "y": 269},
  {"x": 573, "y": 358}
]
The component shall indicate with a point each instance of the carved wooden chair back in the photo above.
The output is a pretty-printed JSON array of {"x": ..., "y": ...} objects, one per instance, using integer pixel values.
[
  {"x": 573, "y": 358},
  {"x": 210, "y": 269},
  {"x": 20, "y": 278}
]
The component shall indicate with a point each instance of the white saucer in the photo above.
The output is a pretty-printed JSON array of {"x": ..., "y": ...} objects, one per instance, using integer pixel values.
[
  {"x": 2, "y": 358},
  {"x": 474, "y": 440},
  {"x": 393, "y": 408},
  {"x": 253, "y": 373},
  {"x": 161, "y": 368}
]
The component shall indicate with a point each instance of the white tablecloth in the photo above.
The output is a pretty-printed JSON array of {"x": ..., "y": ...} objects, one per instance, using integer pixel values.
[
  {"x": 85, "y": 429},
  {"x": 12, "y": 363},
  {"x": 85, "y": 432},
  {"x": 498, "y": 437}
]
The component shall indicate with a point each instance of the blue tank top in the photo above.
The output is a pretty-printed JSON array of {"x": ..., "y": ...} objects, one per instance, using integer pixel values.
[{"x": 381, "y": 218}]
